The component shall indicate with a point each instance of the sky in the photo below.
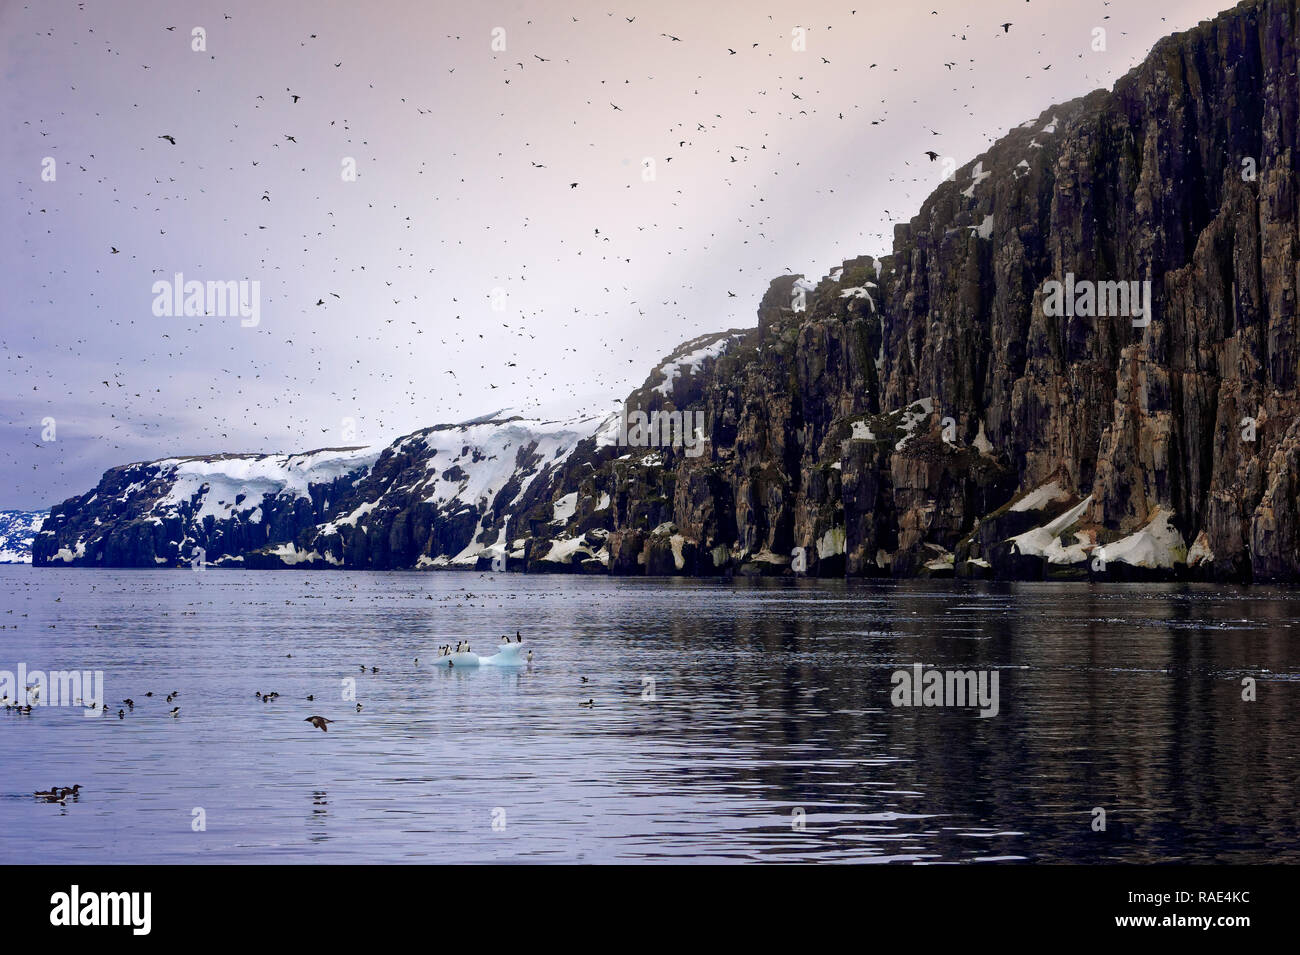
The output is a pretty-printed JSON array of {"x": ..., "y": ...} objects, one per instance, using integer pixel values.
[{"x": 548, "y": 197}]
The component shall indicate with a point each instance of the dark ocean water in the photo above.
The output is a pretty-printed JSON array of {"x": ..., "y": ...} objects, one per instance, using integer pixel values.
[{"x": 771, "y": 703}]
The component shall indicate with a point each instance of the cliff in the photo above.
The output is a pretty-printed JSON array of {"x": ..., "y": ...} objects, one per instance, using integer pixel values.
[{"x": 933, "y": 411}]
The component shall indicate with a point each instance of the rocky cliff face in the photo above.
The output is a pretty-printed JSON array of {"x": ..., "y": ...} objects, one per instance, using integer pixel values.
[{"x": 945, "y": 409}]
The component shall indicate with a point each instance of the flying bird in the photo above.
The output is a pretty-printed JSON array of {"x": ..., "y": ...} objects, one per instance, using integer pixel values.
[{"x": 318, "y": 722}]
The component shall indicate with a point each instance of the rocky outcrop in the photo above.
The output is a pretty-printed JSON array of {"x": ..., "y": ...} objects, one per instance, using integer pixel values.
[{"x": 986, "y": 400}]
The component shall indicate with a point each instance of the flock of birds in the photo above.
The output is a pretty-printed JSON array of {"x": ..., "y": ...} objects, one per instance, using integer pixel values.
[
  {"x": 59, "y": 794},
  {"x": 32, "y": 698},
  {"x": 463, "y": 646},
  {"x": 354, "y": 326}
]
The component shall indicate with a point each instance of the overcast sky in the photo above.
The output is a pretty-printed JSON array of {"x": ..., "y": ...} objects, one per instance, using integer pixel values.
[{"x": 463, "y": 271}]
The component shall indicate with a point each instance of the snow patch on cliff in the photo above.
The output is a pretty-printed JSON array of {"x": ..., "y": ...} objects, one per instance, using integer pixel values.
[
  {"x": 1040, "y": 497},
  {"x": 1036, "y": 542},
  {"x": 1158, "y": 545},
  {"x": 689, "y": 362},
  {"x": 565, "y": 507},
  {"x": 916, "y": 412},
  {"x": 471, "y": 463},
  {"x": 221, "y": 480},
  {"x": 978, "y": 175}
]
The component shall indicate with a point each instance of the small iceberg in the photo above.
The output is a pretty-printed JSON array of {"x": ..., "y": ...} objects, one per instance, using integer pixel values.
[{"x": 509, "y": 655}]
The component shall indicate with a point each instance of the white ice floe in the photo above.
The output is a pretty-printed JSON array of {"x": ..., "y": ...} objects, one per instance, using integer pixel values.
[{"x": 508, "y": 655}]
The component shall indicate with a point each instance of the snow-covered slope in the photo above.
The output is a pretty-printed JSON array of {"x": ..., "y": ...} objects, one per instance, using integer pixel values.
[
  {"x": 17, "y": 528},
  {"x": 444, "y": 496}
]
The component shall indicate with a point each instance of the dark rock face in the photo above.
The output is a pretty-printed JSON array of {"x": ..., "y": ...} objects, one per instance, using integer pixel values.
[{"x": 930, "y": 412}]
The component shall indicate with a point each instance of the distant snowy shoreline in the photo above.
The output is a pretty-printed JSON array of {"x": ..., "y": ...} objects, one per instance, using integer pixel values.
[{"x": 17, "y": 529}]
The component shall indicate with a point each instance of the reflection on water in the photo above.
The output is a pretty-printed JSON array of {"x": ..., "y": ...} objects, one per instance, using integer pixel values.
[{"x": 733, "y": 721}]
